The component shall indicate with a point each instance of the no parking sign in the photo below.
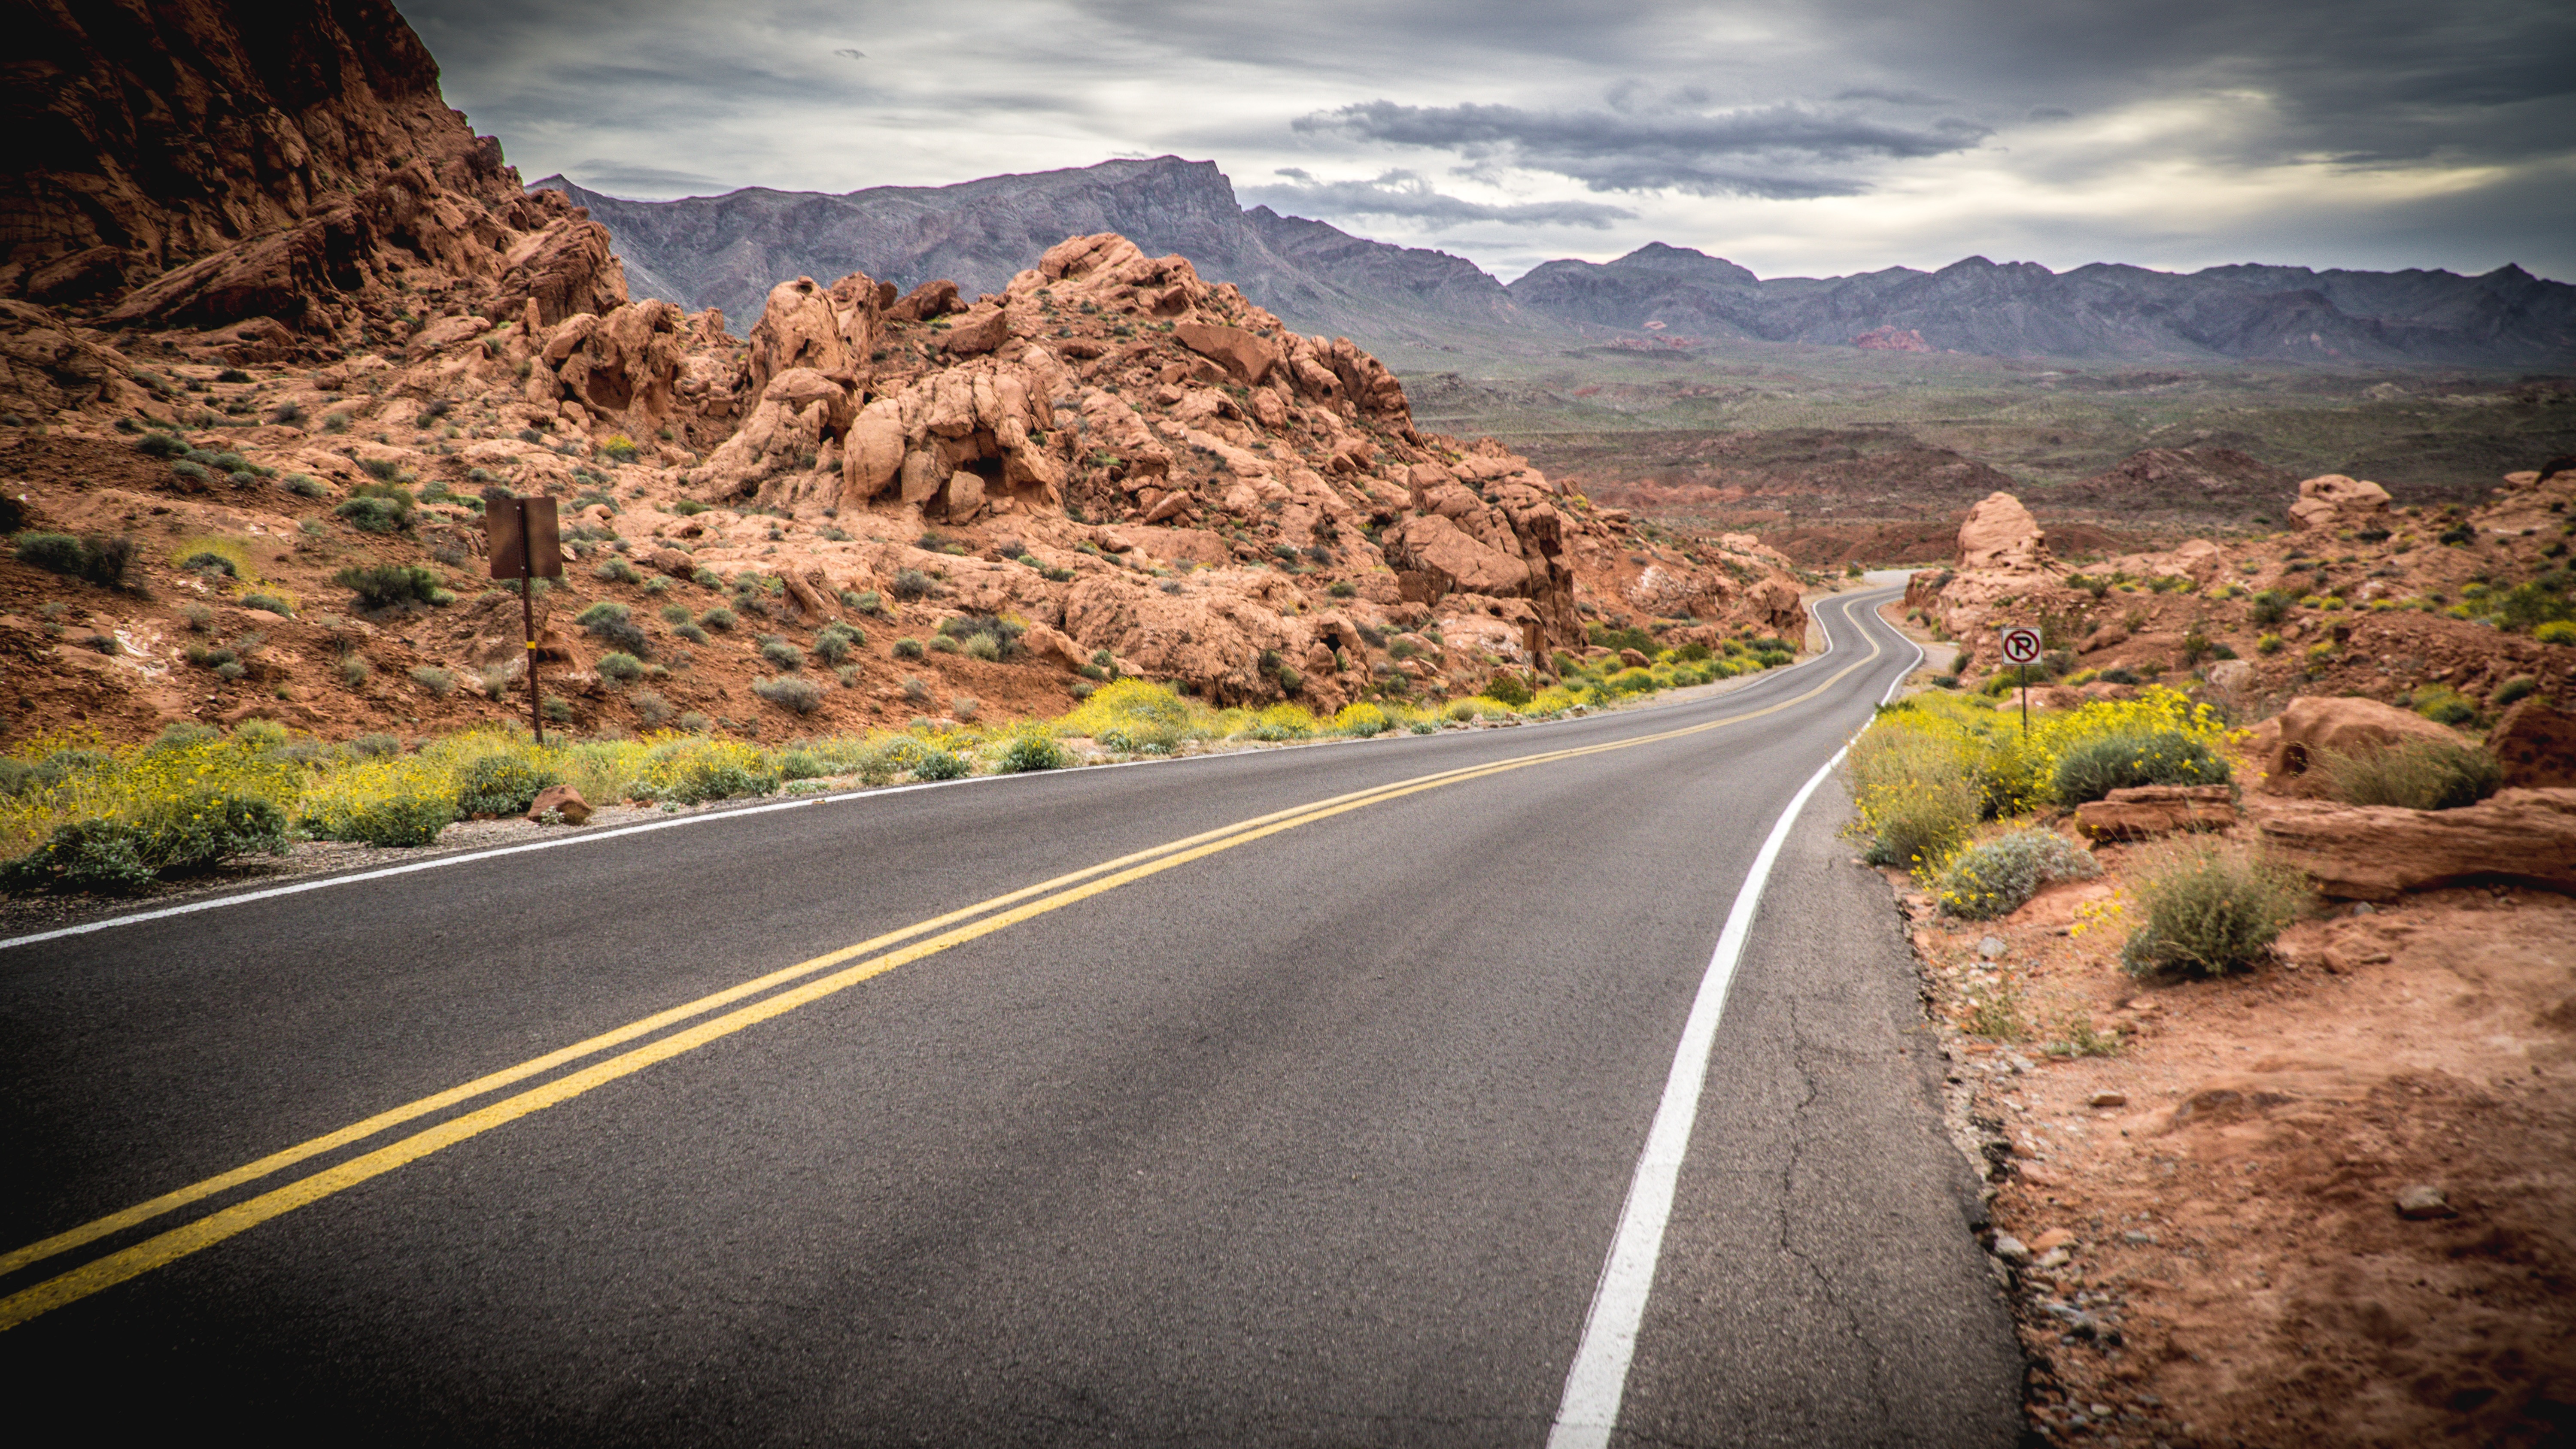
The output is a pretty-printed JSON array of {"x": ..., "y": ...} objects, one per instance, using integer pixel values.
[{"x": 2021, "y": 646}]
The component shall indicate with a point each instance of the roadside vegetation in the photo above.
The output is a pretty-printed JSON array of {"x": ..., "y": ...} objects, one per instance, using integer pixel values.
[
  {"x": 79, "y": 813},
  {"x": 1965, "y": 801}
]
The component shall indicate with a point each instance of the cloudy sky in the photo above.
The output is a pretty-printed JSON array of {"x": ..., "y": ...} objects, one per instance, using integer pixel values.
[{"x": 1826, "y": 138}]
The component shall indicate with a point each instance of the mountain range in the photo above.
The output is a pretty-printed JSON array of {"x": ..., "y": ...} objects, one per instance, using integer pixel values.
[{"x": 727, "y": 251}]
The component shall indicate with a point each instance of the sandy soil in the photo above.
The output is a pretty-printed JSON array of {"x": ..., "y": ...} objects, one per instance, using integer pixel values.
[{"x": 2214, "y": 1229}]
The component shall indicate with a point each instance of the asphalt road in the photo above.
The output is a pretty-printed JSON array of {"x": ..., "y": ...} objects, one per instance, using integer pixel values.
[{"x": 1316, "y": 1136}]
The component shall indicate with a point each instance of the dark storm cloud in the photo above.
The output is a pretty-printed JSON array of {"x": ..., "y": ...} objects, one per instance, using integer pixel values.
[
  {"x": 1771, "y": 152},
  {"x": 1408, "y": 194},
  {"x": 2426, "y": 125}
]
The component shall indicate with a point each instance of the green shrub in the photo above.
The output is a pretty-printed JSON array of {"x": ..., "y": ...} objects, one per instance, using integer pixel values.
[
  {"x": 800, "y": 696},
  {"x": 620, "y": 667},
  {"x": 271, "y": 602},
  {"x": 833, "y": 643},
  {"x": 613, "y": 625},
  {"x": 783, "y": 654},
  {"x": 405, "y": 818},
  {"x": 502, "y": 784},
  {"x": 870, "y": 603},
  {"x": 1915, "y": 795},
  {"x": 2521, "y": 686},
  {"x": 194, "y": 831},
  {"x": 617, "y": 570},
  {"x": 2414, "y": 774},
  {"x": 2092, "y": 769},
  {"x": 1033, "y": 750},
  {"x": 382, "y": 586},
  {"x": 2000, "y": 876},
  {"x": 2269, "y": 607},
  {"x": 104, "y": 561},
  {"x": 1508, "y": 688},
  {"x": 720, "y": 619},
  {"x": 933, "y": 763},
  {"x": 907, "y": 649},
  {"x": 2442, "y": 704},
  {"x": 2210, "y": 908},
  {"x": 439, "y": 682},
  {"x": 2557, "y": 631},
  {"x": 377, "y": 508},
  {"x": 911, "y": 586}
]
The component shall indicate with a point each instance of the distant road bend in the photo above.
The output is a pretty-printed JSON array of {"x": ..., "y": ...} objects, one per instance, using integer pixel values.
[{"x": 1554, "y": 1085}]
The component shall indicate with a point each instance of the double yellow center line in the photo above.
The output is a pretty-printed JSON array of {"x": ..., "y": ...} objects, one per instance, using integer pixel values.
[{"x": 808, "y": 981}]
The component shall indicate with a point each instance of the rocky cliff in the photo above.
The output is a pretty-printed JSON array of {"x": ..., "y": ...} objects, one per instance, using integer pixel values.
[{"x": 205, "y": 165}]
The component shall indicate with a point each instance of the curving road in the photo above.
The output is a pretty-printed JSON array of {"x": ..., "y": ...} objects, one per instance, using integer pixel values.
[{"x": 1299, "y": 1096}]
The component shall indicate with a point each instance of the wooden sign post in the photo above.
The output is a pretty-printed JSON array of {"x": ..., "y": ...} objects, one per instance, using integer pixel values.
[{"x": 524, "y": 545}]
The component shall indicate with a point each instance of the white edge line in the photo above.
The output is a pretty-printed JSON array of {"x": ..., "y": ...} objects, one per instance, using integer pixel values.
[
  {"x": 464, "y": 857},
  {"x": 1598, "y": 1378}
]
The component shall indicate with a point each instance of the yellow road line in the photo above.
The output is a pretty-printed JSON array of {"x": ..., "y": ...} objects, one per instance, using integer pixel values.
[{"x": 178, "y": 1242}]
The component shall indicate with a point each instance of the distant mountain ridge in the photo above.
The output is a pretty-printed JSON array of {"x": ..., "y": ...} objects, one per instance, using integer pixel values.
[{"x": 729, "y": 250}]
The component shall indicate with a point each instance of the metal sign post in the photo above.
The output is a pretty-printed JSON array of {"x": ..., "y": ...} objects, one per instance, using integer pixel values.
[
  {"x": 524, "y": 545},
  {"x": 2021, "y": 646}
]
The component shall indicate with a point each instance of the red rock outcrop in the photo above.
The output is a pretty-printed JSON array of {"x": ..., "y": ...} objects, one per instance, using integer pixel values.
[
  {"x": 2536, "y": 744},
  {"x": 208, "y": 164},
  {"x": 2311, "y": 728},
  {"x": 2144, "y": 812},
  {"x": 2378, "y": 852},
  {"x": 2333, "y": 501}
]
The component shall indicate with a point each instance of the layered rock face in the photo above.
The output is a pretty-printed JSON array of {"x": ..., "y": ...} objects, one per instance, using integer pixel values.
[{"x": 200, "y": 165}]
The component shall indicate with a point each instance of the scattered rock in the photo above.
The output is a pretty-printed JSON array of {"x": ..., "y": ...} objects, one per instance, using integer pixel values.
[
  {"x": 2012, "y": 1250},
  {"x": 2536, "y": 744},
  {"x": 560, "y": 800},
  {"x": 2107, "y": 1099},
  {"x": 1992, "y": 948},
  {"x": 2144, "y": 812},
  {"x": 2422, "y": 1201}
]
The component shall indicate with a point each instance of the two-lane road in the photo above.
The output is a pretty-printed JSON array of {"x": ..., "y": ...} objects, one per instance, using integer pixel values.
[{"x": 1299, "y": 1096}]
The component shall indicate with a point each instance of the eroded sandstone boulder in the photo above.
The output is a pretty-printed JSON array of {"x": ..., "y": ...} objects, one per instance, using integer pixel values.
[
  {"x": 2332, "y": 501},
  {"x": 2144, "y": 812},
  {"x": 2313, "y": 727},
  {"x": 2378, "y": 852}
]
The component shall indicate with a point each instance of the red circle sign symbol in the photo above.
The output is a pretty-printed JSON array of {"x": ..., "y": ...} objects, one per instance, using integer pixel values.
[{"x": 2021, "y": 645}]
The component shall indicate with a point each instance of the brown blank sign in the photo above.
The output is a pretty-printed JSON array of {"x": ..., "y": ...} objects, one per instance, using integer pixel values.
[{"x": 522, "y": 537}]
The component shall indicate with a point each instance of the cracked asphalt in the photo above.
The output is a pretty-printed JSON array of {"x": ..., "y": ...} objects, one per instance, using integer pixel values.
[{"x": 1320, "y": 1139}]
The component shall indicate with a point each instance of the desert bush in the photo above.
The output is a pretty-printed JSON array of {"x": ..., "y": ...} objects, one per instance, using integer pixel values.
[
  {"x": 394, "y": 801},
  {"x": 616, "y": 570},
  {"x": 1360, "y": 718},
  {"x": 379, "y": 507},
  {"x": 2521, "y": 686},
  {"x": 620, "y": 667},
  {"x": 2557, "y": 631},
  {"x": 907, "y": 649},
  {"x": 800, "y": 696},
  {"x": 870, "y": 602},
  {"x": 1032, "y": 749},
  {"x": 2414, "y": 774},
  {"x": 691, "y": 769},
  {"x": 100, "y": 559},
  {"x": 933, "y": 763},
  {"x": 614, "y": 625},
  {"x": 1911, "y": 784},
  {"x": 783, "y": 654},
  {"x": 382, "y": 586},
  {"x": 911, "y": 586},
  {"x": 439, "y": 682},
  {"x": 504, "y": 781},
  {"x": 2209, "y": 908},
  {"x": 92, "y": 818},
  {"x": 834, "y": 643},
  {"x": 2094, "y": 768},
  {"x": 284, "y": 608},
  {"x": 650, "y": 707},
  {"x": 2269, "y": 607},
  {"x": 719, "y": 618},
  {"x": 2000, "y": 876}
]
